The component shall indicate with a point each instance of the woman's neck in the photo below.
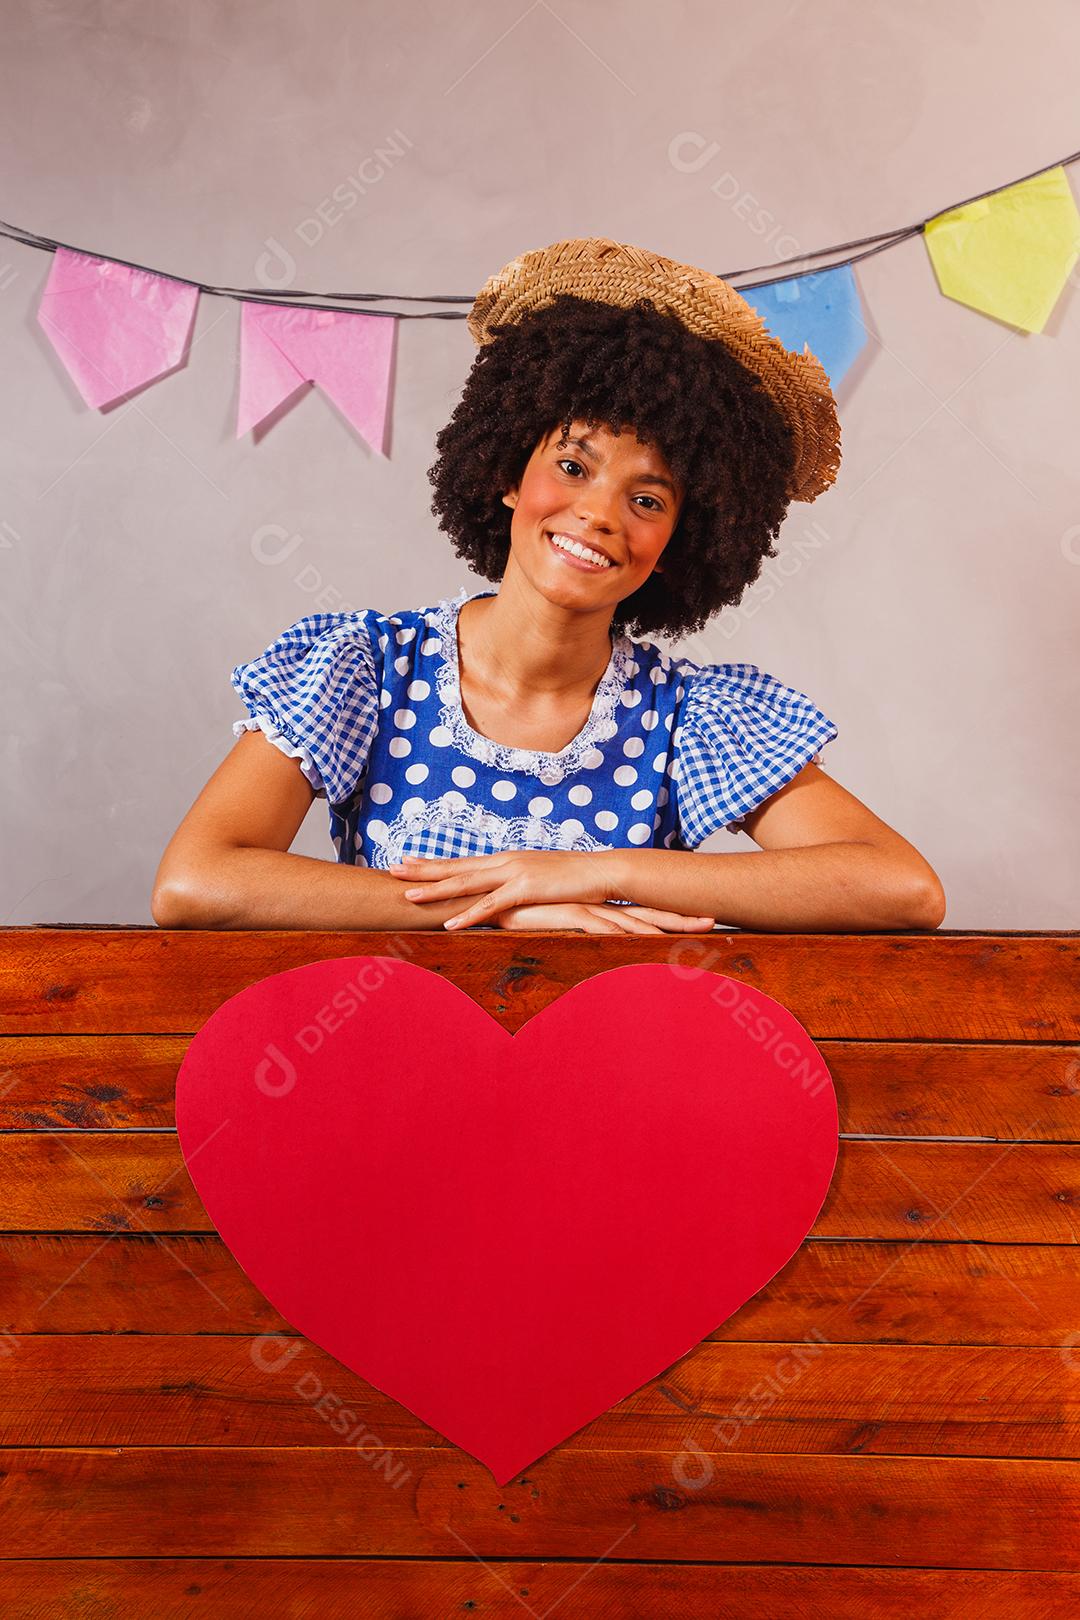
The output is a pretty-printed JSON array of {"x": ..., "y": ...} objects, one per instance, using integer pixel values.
[
  {"x": 526, "y": 665},
  {"x": 529, "y": 647}
]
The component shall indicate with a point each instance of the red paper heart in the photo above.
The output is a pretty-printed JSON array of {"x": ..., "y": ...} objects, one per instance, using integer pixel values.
[{"x": 508, "y": 1234}]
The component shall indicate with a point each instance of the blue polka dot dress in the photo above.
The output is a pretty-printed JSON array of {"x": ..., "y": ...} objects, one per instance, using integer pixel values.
[{"x": 370, "y": 705}]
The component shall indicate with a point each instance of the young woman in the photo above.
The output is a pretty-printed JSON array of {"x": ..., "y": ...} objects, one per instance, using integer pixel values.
[{"x": 624, "y": 451}]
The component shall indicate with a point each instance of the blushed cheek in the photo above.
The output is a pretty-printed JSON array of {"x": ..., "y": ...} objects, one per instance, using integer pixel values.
[
  {"x": 539, "y": 503},
  {"x": 542, "y": 492}
]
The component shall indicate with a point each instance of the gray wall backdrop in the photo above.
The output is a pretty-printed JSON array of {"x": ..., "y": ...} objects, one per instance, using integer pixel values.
[{"x": 930, "y": 602}]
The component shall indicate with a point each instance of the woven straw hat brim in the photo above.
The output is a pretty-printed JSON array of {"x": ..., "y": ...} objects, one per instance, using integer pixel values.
[{"x": 615, "y": 273}]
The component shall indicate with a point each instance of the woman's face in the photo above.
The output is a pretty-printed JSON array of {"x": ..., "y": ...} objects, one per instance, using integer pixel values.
[{"x": 608, "y": 492}]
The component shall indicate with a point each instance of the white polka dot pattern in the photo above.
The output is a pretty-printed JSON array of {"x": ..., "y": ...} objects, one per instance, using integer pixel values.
[{"x": 369, "y": 704}]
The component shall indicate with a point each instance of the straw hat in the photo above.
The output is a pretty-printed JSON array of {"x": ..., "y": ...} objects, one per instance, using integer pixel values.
[{"x": 615, "y": 273}]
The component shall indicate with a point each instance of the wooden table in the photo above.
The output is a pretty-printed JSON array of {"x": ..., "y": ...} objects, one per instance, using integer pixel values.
[{"x": 906, "y": 1390}]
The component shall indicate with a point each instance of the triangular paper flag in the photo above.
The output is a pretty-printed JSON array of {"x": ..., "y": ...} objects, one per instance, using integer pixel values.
[
  {"x": 114, "y": 328},
  {"x": 1009, "y": 254},
  {"x": 822, "y": 310},
  {"x": 347, "y": 355}
]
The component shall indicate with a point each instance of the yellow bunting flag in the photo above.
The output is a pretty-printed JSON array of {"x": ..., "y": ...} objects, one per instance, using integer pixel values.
[{"x": 1009, "y": 254}]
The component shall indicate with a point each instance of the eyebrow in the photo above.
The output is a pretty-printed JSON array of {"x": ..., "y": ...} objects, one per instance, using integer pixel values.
[{"x": 639, "y": 478}]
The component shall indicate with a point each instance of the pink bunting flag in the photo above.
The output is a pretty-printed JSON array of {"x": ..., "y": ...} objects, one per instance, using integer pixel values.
[
  {"x": 114, "y": 328},
  {"x": 348, "y": 355}
]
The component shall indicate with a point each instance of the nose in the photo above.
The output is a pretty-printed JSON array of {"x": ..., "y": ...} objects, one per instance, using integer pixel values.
[{"x": 595, "y": 508}]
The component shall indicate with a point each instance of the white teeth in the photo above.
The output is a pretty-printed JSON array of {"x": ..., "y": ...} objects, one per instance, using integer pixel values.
[{"x": 576, "y": 549}]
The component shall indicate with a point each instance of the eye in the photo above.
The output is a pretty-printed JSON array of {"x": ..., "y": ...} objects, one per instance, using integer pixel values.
[{"x": 568, "y": 461}]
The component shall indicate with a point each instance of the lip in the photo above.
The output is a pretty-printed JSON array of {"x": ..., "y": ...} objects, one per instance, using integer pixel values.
[{"x": 548, "y": 533}]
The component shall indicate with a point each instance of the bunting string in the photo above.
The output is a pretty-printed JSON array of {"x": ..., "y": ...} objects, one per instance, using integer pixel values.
[
  {"x": 118, "y": 325},
  {"x": 265, "y": 295}
]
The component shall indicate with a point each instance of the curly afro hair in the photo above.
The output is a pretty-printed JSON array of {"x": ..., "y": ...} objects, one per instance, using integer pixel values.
[{"x": 712, "y": 420}]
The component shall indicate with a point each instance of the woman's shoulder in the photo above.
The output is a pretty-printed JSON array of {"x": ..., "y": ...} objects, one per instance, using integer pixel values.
[
  {"x": 329, "y": 672},
  {"x": 405, "y": 624},
  {"x": 316, "y": 689},
  {"x": 365, "y": 628},
  {"x": 313, "y": 690},
  {"x": 748, "y": 713},
  {"x": 320, "y": 632},
  {"x": 729, "y": 685},
  {"x": 714, "y": 688},
  {"x": 743, "y": 734}
]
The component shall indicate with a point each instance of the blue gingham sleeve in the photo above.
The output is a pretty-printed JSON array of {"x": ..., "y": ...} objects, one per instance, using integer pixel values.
[
  {"x": 743, "y": 735},
  {"x": 314, "y": 693}
]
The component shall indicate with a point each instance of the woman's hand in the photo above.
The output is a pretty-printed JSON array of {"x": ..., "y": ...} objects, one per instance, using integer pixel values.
[
  {"x": 603, "y": 919},
  {"x": 511, "y": 879}
]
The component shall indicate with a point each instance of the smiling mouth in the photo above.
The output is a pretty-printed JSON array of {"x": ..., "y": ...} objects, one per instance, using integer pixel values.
[{"x": 578, "y": 554}]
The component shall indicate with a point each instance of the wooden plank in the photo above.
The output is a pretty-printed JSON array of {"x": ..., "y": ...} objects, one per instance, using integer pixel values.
[
  {"x": 969, "y": 1191},
  {"x": 121, "y": 1283},
  {"x": 898, "y": 986},
  {"x": 916, "y": 1293},
  {"x": 93, "y": 1082},
  {"x": 927, "y": 1417},
  {"x": 853, "y": 1292},
  {"x": 815, "y": 1397},
  {"x": 1004, "y": 1092},
  {"x": 341, "y": 1589},
  {"x": 337, "y": 1500},
  {"x": 819, "y": 1397}
]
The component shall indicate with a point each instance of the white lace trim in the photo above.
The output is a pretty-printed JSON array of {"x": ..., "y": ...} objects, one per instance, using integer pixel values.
[
  {"x": 549, "y": 767},
  {"x": 449, "y": 815}
]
